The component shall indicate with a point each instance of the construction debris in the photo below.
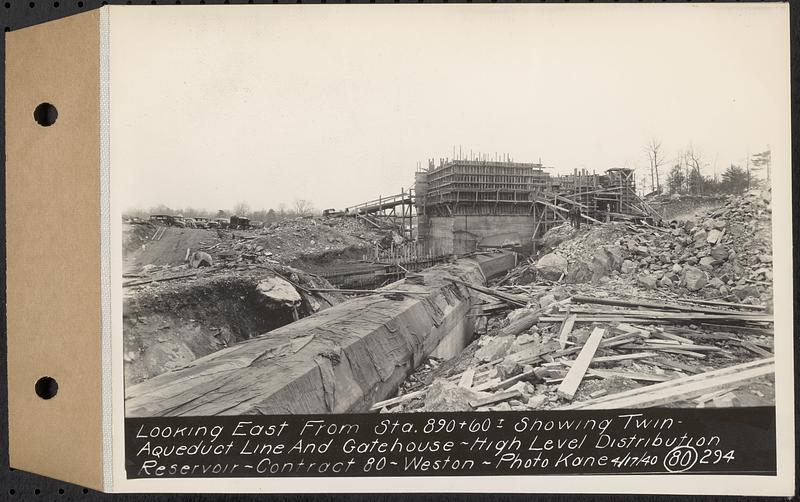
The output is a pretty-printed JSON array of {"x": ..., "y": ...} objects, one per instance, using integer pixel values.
[
  {"x": 626, "y": 314},
  {"x": 633, "y": 312}
]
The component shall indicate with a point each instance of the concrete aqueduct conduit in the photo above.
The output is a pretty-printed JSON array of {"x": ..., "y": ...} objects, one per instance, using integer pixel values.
[{"x": 338, "y": 360}]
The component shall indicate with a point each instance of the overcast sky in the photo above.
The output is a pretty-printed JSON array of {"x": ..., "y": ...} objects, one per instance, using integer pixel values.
[{"x": 216, "y": 105}]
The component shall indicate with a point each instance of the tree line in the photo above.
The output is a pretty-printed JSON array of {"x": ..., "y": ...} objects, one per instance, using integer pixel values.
[
  {"x": 686, "y": 173},
  {"x": 300, "y": 207}
]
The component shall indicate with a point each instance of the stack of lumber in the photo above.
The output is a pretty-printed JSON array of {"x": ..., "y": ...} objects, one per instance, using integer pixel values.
[{"x": 681, "y": 389}]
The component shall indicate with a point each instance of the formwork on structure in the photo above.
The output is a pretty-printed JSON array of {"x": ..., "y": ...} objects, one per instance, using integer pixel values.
[{"x": 482, "y": 187}]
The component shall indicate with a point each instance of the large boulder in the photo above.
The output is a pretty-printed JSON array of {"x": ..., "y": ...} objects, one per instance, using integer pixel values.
[
  {"x": 447, "y": 396},
  {"x": 648, "y": 281},
  {"x": 507, "y": 368},
  {"x": 707, "y": 263},
  {"x": 546, "y": 300},
  {"x": 719, "y": 252},
  {"x": 616, "y": 256},
  {"x": 713, "y": 236},
  {"x": 665, "y": 282},
  {"x": 517, "y": 314},
  {"x": 279, "y": 290},
  {"x": 552, "y": 266},
  {"x": 578, "y": 273},
  {"x": 200, "y": 259},
  {"x": 693, "y": 278},
  {"x": 746, "y": 291},
  {"x": 699, "y": 238},
  {"x": 628, "y": 267},
  {"x": 555, "y": 236},
  {"x": 496, "y": 348},
  {"x": 602, "y": 264}
]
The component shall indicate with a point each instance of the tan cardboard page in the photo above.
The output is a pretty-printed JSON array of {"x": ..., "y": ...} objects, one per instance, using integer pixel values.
[{"x": 53, "y": 234}]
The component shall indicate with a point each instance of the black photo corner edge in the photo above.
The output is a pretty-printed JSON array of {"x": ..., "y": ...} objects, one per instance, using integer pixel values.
[{"x": 19, "y": 485}]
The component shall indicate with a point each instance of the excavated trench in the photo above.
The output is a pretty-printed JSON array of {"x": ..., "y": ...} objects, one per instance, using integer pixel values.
[
  {"x": 340, "y": 359},
  {"x": 168, "y": 327}
]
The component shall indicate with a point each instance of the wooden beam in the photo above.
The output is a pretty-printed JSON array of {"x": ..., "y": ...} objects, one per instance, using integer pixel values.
[
  {"x": 400, "y": 399},
  {"x": 681, "y": 389},
  {"x": 572, "y": 381},
  {"x": 724, "y": 304},
  {"x": 466, "y": 378},
  {"x": 506, "y": 297},
  {"x": 495, "y": 398},
  {"x": 566, "y": 330},
  {"x": 657, "y": 306}
]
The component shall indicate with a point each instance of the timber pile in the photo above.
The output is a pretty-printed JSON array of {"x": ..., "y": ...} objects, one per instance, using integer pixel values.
[{"x": 552, "y": 349}]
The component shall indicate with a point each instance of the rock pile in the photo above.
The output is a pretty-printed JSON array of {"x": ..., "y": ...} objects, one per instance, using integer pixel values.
[{"x": 726, "y": 252}]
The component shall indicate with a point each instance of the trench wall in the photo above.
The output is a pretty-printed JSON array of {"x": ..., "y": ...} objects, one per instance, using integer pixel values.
[{"x": 339, "y": 360}]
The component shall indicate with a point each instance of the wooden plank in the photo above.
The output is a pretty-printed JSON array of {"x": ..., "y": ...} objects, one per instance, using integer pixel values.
[
  {"x": 495, "y": 398},
  {"x": 664, "y": 348},
  {"x": 592, "y": 373},
  {"x": 670, "y": 336},
  {"x": 644, "y": 377},
  {"x": 676, "y": 365},
  {"x": 506, "y": 297},
  {"x": 573, "y": 379},
  {"x": 566, "y": 330},
  {"x": 623, "y": 357},
  {"x": 656, "y": 306},
  {"x": 586, "y": 216},
  {"x": 713, "y": 395},
  {"x": 466, "y": 378},
  {"x": 711, "y": 380},
  {"x": 524, "y": 323},
  {"x": 724, "y": 304},
  {"x": 755, "y": 349},
  {"x": 658, "y": 397},
  {"x": 400, "y": 399}
]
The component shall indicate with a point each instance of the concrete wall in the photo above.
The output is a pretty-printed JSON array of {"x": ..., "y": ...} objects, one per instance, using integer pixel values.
[
  {"x": 463, "y": 233},
  {"x": 440, "y": 235}
]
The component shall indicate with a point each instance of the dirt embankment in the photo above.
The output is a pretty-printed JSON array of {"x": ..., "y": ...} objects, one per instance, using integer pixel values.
[
  {"x": 687, "y": 207},
  {"x": 170, "y": 324},
  {"x": 167, "y": 249}
]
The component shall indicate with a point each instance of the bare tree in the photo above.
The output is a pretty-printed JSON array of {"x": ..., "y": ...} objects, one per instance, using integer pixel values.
[
  {"x": 694, "y": 165},
  {"x": 653, "y": 150},
  {"x": 302, "y": 206},
  {"x": 241, "y": 209}
]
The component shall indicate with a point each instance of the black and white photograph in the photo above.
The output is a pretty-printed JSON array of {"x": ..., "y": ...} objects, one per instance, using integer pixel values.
[
  {"x": 506, "y": 223},
  {"x": 415, "y": 248}
]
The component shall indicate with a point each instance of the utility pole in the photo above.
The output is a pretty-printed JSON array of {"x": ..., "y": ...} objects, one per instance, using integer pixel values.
[{"x": 748, "y": 170}]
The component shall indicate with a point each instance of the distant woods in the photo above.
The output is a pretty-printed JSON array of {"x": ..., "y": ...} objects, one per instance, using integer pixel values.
[
  {"x": 689, "y": 172},
  {"x": 299, "y": 207}
]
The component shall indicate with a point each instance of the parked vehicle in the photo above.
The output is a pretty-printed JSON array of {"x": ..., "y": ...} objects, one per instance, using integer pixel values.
[{"x": 239, "y": 223}]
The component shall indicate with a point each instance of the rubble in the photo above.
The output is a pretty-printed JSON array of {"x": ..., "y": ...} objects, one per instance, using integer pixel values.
[{"x": 625, "y": 313}]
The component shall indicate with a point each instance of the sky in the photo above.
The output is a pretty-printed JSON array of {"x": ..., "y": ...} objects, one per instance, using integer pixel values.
[{"x": 212, "y": 106}]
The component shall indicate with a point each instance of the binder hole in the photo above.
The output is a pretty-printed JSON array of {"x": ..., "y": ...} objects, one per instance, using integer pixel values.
[
  {"x": 85, "y": 491},
  {"x": 12, "y": 491},
  {"x": 37, "y": 491},
  {"x": 45, "y": 114},
  {"x": 46, "y": 387},
  {"x": 61, "y": 491},
  {"x": 80, "y": 4}
]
